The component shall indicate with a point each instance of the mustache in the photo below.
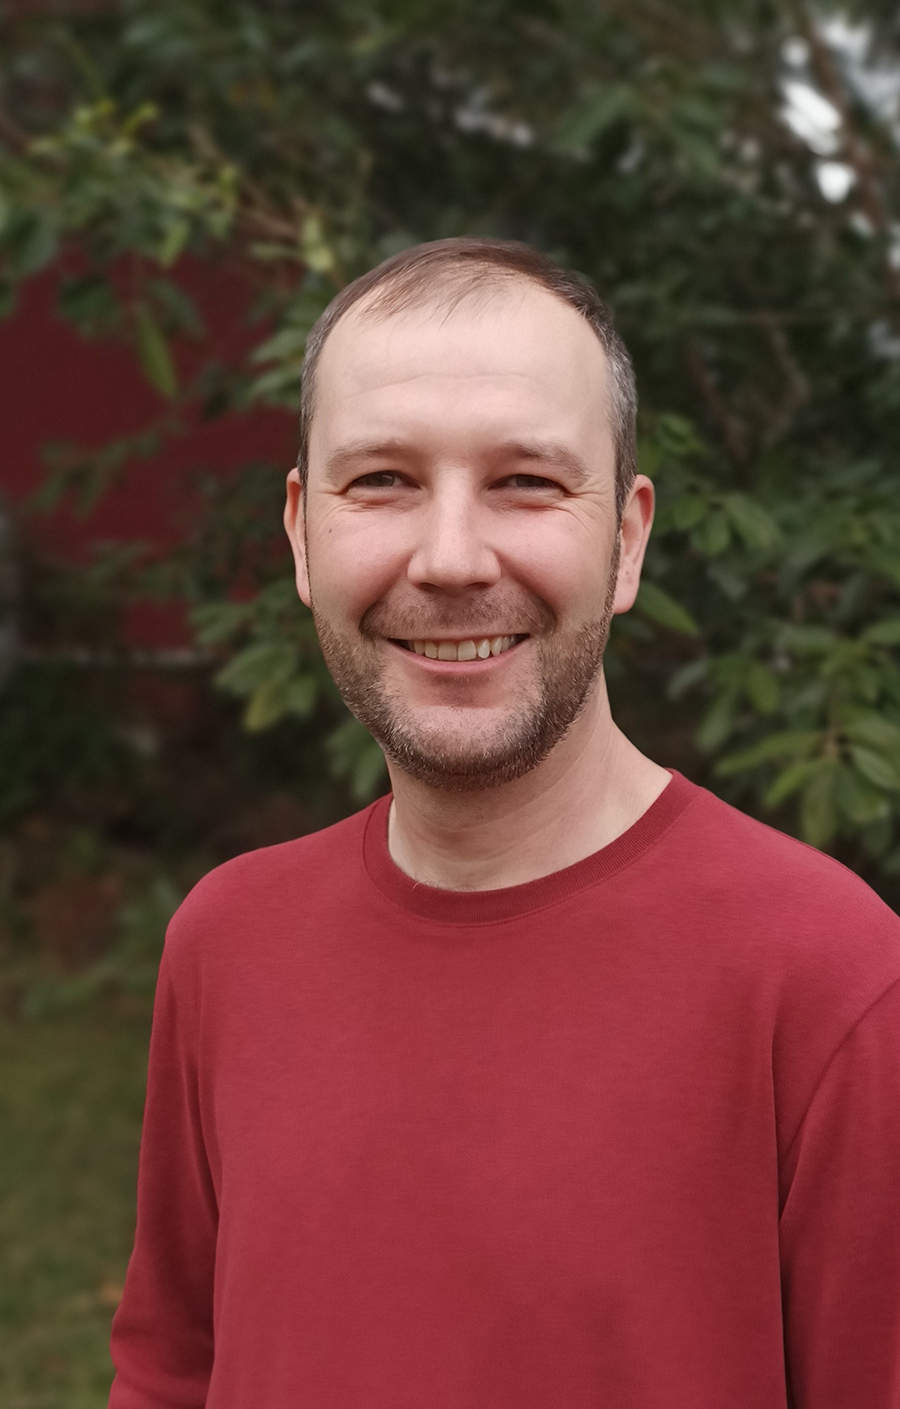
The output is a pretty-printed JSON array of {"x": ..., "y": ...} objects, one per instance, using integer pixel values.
[{"x": 477, "y": 617}]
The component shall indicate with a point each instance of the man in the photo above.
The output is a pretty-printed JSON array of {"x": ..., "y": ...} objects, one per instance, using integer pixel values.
[{"x": 552, "y": 1081}]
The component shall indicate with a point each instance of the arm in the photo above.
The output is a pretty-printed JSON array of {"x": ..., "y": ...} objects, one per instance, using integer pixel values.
[
  {"x": 840, "y": 1226},
  {"x": 162, "y": 1335}
]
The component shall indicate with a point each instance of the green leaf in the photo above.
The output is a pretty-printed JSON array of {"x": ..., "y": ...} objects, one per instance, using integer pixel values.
[
  {"x": 256, "y": 665},
  {"x": 878, "y": 835},
  {"x": 265, "y": 706},
  {"x": 762, "y": 687},
  {"x": 174, "y": 241},
  {"x": 786, "y": 743},
  {"x": 874, "y": 766},
  {"x": 687, "y": 677},
  {"x": 368, "y": 772},
  {"x": 754, "y": 525},
  {"x": 280, "y": 386},
  {"x": 818, "y": 807},
  {"x": 154, "y": 352},
  {"x": 713, "y": 535},
  {"x": 36, "y": 245},
  {"x": 718, "y": 722},
  {"x": 90, "y": 303},
  {"x": 886, "y": 562},
  {"x": 858, "y": 800},
  {"x": 302, "y": 694},
  {"x": 285, "y": 345},
  {"x": 592, "y": 115},
  {"x": 808, "y": 640},
  {"x": 723, "y": 572},
  {"x": 317, "y": 252},
  {"x": 215, "y": 622},
  {"x": 178, "y": 310},
  {"x": 355, "y": 754},
  {"x": 687, "y": 511},
  {"x": 276, "y": 697},
  {"x": 677, "y": 436},
  {"x": 874, "y": 730},
  {"x": 884, "y": 633},
  {"x": 792, "y": 779},
  {"x": 656, "y": 604}
]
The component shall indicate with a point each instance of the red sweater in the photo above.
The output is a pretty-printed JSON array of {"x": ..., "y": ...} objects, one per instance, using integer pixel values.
[{"x": 626, "y": 1136}]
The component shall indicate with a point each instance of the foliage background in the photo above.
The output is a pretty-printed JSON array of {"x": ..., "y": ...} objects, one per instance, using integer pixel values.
[{"x": 726, "y": 172}]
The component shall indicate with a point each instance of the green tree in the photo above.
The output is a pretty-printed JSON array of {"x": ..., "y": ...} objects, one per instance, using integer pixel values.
[{"x": 726, "y": 173}]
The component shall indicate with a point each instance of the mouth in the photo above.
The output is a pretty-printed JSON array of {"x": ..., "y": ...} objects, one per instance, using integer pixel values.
[{"x": 470, "y": 648}]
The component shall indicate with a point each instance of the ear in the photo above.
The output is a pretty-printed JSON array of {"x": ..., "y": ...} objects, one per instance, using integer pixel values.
[
  {"x": 637, "y": 520},
  {"x": 295, "y": 527}
]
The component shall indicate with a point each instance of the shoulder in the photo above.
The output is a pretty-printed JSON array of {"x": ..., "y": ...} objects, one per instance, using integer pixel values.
[
  {"x": 808, "y": 930},
  {"x": 743, "y": 863},
  {"x": 261, "y": 890},
  {"x": 809, "y": 950}
]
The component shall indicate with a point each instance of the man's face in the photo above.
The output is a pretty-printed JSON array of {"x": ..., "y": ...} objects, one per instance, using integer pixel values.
[{"x": 460, "y": 544}]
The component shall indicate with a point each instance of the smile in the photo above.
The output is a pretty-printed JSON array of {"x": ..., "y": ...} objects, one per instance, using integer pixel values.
[{"x": 480, "y": 648}]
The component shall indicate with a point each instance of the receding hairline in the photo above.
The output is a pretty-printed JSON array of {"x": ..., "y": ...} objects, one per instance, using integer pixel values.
[
  {"x": 454, "y": 286},
  {"x": 445, "y": 274},
  {"x": 447, "y": 297}
]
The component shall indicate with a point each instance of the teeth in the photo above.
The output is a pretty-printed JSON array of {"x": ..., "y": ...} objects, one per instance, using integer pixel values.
[{"x": 463, "y": 650}]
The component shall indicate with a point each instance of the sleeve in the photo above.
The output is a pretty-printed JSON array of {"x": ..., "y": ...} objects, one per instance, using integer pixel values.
[
  {"x": 840, "y": 1226},
  {"x": 162, "y": 1334}
]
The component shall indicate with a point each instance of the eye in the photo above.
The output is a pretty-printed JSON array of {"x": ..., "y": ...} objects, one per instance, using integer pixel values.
[
  {"x": 377, "y": 479},
  {"x": 534, "y": 482}
]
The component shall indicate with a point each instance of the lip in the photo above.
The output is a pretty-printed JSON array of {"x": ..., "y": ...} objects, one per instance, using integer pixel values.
[{"x": 457, "y": 667}]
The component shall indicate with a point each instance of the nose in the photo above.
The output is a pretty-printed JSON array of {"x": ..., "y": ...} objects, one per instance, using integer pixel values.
[{"x": 452, "y": 551}]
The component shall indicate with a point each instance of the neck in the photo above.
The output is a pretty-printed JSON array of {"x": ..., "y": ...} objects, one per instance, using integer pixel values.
[{"x": 592, "y": 788}]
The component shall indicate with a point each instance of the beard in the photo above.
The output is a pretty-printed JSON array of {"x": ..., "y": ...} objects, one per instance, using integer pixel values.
[{"x": 460, "y": 759}]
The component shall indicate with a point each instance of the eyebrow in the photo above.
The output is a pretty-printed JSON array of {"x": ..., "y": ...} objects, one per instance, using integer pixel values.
[
  {"x": 550, "y": 452},
  {"x": 346, "y": 456},
  {"x": 546, "y": 452}
]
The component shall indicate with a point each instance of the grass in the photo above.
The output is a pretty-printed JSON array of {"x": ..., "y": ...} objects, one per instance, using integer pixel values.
[{"x": 71, "y": 1098}]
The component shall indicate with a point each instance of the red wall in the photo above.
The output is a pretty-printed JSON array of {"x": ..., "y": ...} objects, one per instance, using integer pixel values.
[{"x": 58, "y": 386}]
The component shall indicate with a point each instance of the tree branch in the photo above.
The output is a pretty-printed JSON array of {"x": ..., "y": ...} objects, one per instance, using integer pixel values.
[
  {"x": 730, "y": 428},
  {"x": 796, "y": 385},
  {"x": 855, "y": 152},
  {"x": 12, "y": 133}
]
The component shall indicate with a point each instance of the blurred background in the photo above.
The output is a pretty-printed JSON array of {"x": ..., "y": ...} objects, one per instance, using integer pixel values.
[{"x": 184, "y": 185}]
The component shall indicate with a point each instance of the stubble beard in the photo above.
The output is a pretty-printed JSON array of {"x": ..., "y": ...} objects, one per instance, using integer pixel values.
[{"x": 568, "y": 667}]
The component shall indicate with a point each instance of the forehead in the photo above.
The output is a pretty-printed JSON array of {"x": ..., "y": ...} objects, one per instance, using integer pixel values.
[{"x": 513, "y": 360}]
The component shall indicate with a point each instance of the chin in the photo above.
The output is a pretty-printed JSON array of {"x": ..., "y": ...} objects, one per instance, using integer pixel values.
[
  {"x": 451, "y": 762},
  {"x": 462, "y": 775}
]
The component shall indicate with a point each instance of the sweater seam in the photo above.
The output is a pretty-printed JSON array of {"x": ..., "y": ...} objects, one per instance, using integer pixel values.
[{"x": 830, "y": 1062}]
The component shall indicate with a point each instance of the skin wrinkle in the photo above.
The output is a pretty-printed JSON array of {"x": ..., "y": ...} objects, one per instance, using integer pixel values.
[
  {"x": 444, "y": 275},
  {"x": 497, "y": 515},
  {"x": 568, "y": 667},
  {"x": 345, "y": 458}
]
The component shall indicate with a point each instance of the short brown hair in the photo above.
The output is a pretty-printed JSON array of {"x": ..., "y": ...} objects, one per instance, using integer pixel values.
[{"x": 448, "y": 271}]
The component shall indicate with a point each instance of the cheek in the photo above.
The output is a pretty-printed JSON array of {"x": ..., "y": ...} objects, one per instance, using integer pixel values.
[
  {"x": 351, "y": 565},
  {"x": 565, "y": 564}
]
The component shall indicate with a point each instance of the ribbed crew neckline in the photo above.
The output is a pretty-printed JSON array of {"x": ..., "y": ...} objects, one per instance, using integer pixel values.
[{"x": 488, "y": 906}]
